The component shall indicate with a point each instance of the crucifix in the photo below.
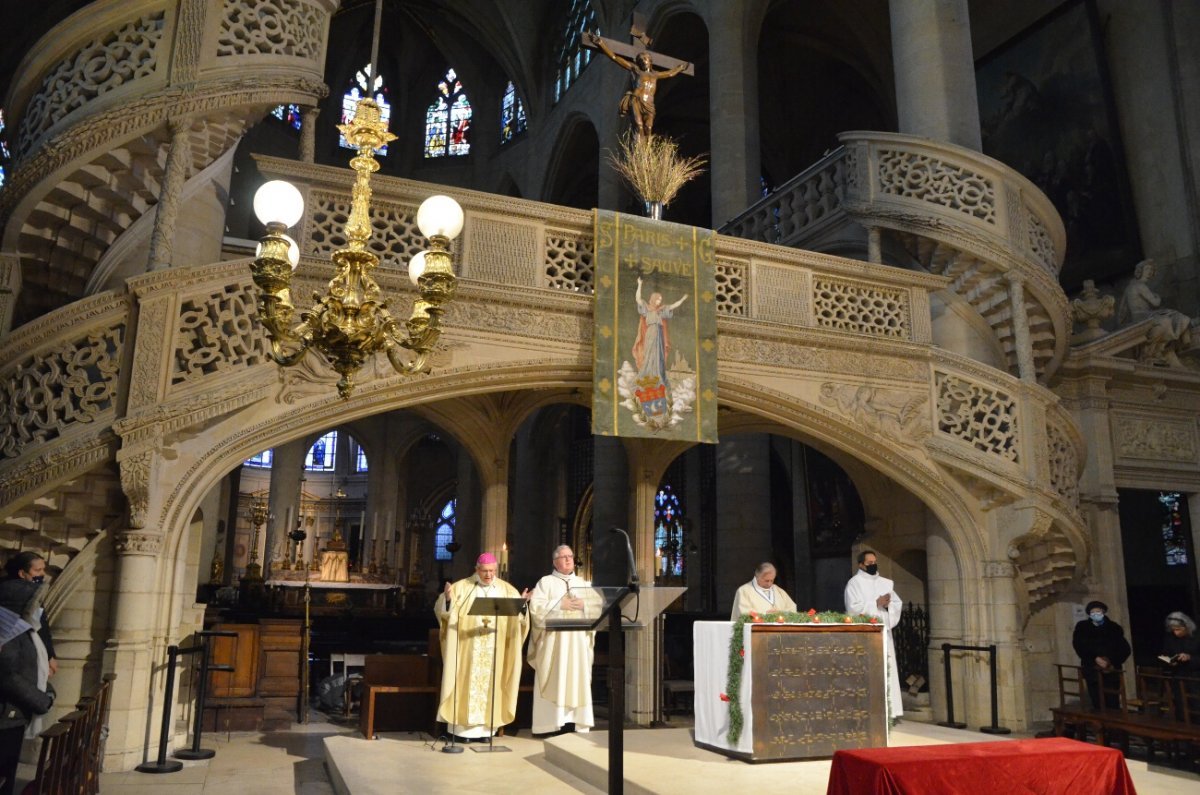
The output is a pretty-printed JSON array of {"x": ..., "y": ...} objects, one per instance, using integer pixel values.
[{"x": 645, "y": 68}]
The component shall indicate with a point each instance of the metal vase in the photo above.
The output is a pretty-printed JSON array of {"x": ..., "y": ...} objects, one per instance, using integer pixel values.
[{"x": 654, "y": 210}]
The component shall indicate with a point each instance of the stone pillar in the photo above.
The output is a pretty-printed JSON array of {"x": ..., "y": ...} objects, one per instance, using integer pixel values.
[
  {"x": 935, "y": 70},
  {"x": 162, "y": 239},
  {"x": 494, "y": 530},
  {"x": 308, "y": 133},
  {"x": 641, "y": 664},
  {"x": 1020, "y": 322},
  {"x": 10, "y": 289},
  {"x": 733, "y": 112},
  {"x": 287, "y": 463},
  {"x": 743, "y": 512},
  {"x": 132, "y": 649}
]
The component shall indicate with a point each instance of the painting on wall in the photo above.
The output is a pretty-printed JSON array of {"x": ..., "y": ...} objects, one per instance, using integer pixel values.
[{"x": 1046, "y": 109}]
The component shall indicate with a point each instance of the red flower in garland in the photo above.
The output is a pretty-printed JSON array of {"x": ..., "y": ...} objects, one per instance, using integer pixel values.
[
  {"x": 874, "y": 620},
  {"x": 741, "y": 652},
  {"x": 724, "y": 697},
  {"x": 812, "y": 611},
  {"x": 753, "y": 614}
]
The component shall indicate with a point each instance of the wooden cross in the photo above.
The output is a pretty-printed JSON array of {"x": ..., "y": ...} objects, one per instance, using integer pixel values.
[{"x": 641, "y": 44}]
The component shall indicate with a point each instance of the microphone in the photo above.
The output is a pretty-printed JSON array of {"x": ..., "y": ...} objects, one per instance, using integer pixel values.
[{"x": 633, "y": 577}]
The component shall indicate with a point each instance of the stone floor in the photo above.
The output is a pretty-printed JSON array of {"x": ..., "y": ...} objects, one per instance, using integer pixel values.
[{"x": 295, "y": 762}]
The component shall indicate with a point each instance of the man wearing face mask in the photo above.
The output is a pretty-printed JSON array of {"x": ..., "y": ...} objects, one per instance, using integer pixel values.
[
  {"x": 31, "y": 566},
  {"x": 1102, "y": 649},
  {"x": 869, "y": 594}
]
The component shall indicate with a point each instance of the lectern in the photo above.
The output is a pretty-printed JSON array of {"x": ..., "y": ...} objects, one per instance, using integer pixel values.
[{"x": 615, "y": 609}]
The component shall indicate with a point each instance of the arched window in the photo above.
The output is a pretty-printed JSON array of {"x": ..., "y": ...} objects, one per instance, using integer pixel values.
[
  {"x": 4, "y": 155},
  {"x": 360, "y": 457},
  {"x": 1173, "y": 532},
  {"x": 512, "y": 114},
  {"x": 289, "y": 114},
  {"x": 322, "y": 456},
  {"x": 448, "y": 119},
  {"x": 443, "y": 532},
  {"x": 668, "y": 534},
  {"x": 358, "y": 90},
  {"x": 572, "y": 55},
  {"x": 262, "y": 460}
]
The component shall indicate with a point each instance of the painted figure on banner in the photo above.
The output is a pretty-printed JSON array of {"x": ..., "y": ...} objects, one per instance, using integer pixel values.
[{"x": 658, "y": 395}]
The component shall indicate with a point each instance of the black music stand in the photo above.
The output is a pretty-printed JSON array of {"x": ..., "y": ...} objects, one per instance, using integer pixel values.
[{"x": 496, "y": 607}]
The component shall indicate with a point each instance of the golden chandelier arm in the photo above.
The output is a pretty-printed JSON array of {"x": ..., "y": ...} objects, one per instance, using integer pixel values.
[{"x": 350, "y": 323}]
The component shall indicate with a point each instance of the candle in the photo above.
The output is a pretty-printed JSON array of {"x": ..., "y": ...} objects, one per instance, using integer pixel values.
[
  {"x": 504, "y": 555},
  {"x": 375, "y": 527},
  {"x": 287, "y": 523}
]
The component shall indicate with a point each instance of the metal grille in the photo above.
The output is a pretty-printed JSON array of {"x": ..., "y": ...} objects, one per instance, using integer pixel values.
[{"x": 911, "y": 637}]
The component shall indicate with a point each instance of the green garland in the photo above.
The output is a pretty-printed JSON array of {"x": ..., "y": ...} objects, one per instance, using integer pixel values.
[{"x": 737, "y": 653}]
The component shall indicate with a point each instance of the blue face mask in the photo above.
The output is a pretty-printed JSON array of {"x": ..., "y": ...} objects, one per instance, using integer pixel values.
[{"x": 1097, "y": 618}]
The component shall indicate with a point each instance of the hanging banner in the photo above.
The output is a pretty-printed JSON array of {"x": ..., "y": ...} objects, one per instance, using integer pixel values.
[{"x": 655, "y": 351}]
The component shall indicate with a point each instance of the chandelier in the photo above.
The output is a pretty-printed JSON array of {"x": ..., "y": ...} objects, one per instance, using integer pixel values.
[{"x": 350, "y": 323}]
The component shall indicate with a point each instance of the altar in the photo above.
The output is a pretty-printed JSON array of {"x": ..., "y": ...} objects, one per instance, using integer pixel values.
[
  {"x": 806, "y": 691},
  {"x": 362, "y": 594}
]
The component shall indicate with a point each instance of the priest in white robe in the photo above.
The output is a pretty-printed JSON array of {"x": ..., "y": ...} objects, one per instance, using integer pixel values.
[
  {"x": 761, "y": 595},
  {"x": 871, "y": 595},
  {"x": 469, "y": 646},
  {"x": 562, "y": 661}
]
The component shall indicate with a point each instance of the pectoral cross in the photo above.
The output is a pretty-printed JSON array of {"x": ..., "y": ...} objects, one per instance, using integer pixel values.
[{"x": 487, "y": 622}]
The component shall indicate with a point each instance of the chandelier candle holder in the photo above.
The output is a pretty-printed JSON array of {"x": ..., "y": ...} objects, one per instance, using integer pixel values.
[
  {"x": 258, "y": 518},
  {"x": 350, "y": 323}
]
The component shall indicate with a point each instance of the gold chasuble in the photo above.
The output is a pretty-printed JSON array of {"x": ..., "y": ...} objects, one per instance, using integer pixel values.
[
  {"x": 467, "y": 650},
  {"x": 655, "y": 342}
]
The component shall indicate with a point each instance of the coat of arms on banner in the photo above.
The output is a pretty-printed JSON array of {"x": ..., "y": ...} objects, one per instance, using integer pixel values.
[{"x": 655, "y": 366}]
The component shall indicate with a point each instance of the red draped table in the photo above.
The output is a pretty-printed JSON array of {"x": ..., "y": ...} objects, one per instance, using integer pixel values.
[{"x": 1052, "y": 765}]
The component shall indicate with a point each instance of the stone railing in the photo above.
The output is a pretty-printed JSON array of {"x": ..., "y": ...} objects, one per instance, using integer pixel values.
[
  {"x": 197, "y": 337},
  {"x": 114, "y": 51}
]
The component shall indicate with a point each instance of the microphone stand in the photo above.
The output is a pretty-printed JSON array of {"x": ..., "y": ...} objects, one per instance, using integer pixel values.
[{"x": 452, "y": 748}]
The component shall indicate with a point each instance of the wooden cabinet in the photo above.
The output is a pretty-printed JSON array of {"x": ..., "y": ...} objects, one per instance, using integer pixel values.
[{"x": 263, "y": 690}]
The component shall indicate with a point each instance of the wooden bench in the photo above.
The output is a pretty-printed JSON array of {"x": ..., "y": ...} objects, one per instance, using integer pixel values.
[{"x": 1166, "y": 709}]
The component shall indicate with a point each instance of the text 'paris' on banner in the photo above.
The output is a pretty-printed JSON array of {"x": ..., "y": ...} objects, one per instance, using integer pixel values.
[{"x": 655, "y": 371}]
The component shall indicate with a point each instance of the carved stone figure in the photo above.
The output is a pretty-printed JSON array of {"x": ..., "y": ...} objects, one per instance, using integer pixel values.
[
  {"x": 1169, "y": 331},
  {"x": 1090, "y": 308},
  {"x": 896, "y": 415}
]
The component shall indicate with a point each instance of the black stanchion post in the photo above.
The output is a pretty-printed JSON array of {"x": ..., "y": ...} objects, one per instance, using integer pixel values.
[
  {"x": 196, "y": 752},
  {"x": 995, "y": 728},
  {"x": 950, "y": 722},
  {"x": 162, "y": 765}
]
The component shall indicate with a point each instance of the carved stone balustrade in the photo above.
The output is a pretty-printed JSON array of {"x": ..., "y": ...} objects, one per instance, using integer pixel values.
[
  {"x": 91, "y": 107},
  {"x": 944, "y": 209}
]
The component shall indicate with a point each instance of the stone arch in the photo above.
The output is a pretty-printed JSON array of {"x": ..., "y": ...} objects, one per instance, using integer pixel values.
[{"x": 573, "y": 176}]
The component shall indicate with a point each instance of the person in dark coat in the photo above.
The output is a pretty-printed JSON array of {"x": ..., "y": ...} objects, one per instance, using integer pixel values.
[
  {"x": 1182, "y": 645},
  {"x": 1102, "y": 649},
  {"x": 20, "y": 697},
  {"x": 32, "y": 566}
]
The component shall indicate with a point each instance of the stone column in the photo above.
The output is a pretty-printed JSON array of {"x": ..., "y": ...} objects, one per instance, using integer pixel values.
[
  {"x": 494, "y": 530},
  {"x": 641, "y": 665},
  {"x": 10, "y": 289},
  {"x": 308, "y": 133},
  {"x": 935, "y": 70},
  {"x": 287, "y": 463},
  {"x": 743, "y": 512},
  {"x": 733, "y": 112},
  {"x": 162, "y": 239},
  {"x": 132, "y": 649},
  {"x": 1020, "y": 321}
]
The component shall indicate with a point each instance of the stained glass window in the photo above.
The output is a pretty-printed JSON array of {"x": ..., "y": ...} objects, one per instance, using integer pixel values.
[
  {"x": 322, "y": 456},
  {"x": 443, "y": 533},
  {"x": 448, "y": 119},
  {"x": 572, "y": 55},
  {"x": 512, "y": 114},
  {"x": 289, "y": 114},
  {"x": 668, "y": 534},
  {"x": 358, "y": 90},
  {"x": 262, "y": 460},
  {"x": 4, "y": 155},
  {"x": 360, "y": 458},
  {"x": 1173, "y": 531}
]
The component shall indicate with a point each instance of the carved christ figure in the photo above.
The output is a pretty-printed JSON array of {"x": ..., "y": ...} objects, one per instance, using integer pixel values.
[{"x": 639, "y": 99}]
